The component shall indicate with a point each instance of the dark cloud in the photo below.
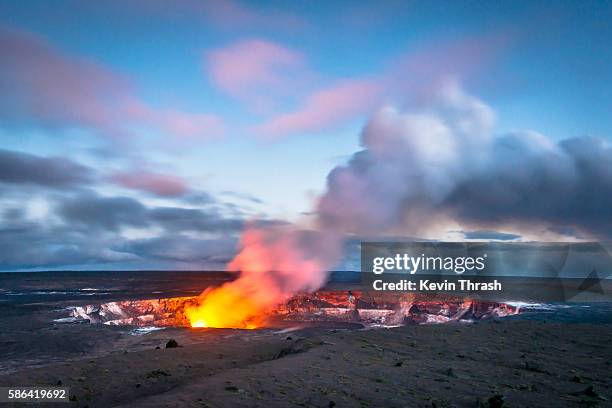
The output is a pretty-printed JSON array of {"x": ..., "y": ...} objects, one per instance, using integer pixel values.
[
  {"x": 109, "y": 213},
  {"x": 13, "y": 214},
  {"x": 112, "y": 213},
  {"x": 85, "y": 229},
  {"x": 567, "y": 184},
  {"x": 51, "y": 172},
  {"x": 180, "y": 248},
  {"x": 442, "y": 162},
  {"x": 185, "y": 219},
  {"x": 26, "y": 245},
  {"x": 199, "y": 198},
  {"x": 90, "y": 234}
]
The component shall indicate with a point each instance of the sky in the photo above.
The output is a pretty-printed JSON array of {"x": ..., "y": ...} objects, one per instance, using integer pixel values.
[{"x": 147, "y": 134}]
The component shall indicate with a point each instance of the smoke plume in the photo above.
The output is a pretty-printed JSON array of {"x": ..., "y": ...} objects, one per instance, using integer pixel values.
[
  {"x": 442, "y": 161},
  {"x": 438, "y": 161},
  {"x": 275, "y": 262}
]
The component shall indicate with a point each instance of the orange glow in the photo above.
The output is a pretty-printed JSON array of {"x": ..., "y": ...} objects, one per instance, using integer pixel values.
[
  {"x": 198, "y": 323},
  {"x": 274, "y": 264},
  {"x": 225, "y": 307}
]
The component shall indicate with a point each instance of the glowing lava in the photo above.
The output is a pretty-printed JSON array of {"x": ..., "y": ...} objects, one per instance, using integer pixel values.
[
  {"x": 225, "y": 307},
  {"x": 274, "y": 264}
]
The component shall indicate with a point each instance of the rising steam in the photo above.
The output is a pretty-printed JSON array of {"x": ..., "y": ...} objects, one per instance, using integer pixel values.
[
  {"x": 437, "y": 161},
  {"x": 274, "y": 263}
]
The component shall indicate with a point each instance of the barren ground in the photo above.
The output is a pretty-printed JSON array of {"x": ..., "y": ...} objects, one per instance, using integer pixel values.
[{"x": 525, "y": 363}]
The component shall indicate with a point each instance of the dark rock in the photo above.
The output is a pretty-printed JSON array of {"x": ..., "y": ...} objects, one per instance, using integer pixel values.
[
  {"x": 399, "y": 363},
  {"x": 172, "y": 344},
  {"x": 297, "y": 347},
  {"x": 231, "y": 388},
  {"x": 496, "y": 401},
  {"x": 158, "y": 373},
  {"x": 590, "y": 392}
]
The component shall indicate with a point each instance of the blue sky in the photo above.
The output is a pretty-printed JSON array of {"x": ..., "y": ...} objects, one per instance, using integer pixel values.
[{"x": 252, "y": 104}]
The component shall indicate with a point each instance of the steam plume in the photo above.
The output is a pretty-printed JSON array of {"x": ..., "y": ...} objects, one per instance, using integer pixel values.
[
  {"x": 442, "y": 161},
  {"x": 275, "y": 262},
  {"x": 437, "y": 160}
]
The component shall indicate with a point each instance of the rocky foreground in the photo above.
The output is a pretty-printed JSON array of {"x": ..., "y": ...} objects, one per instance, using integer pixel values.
[{"x": 491, "y": 364}]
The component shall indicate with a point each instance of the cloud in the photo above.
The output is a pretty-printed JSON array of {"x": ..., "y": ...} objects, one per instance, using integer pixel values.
[
  {"x": 65, "y": 223},
  {"x": 410, "y": 161},
  {"x": 530, "y": 179},
  {"x": 39, "y": 80},
  {"x": 179, "y": 124},
  {"x": 19, "y": 168},
  {"x": 113, "y": 213},
  {"x": 85, "y": 229},
  {"x": 199, "y": 198},
  {"x": 187, "y": 219},
  {"x": 51, "y": 172},
  {"x": 250, "y": 70},
  {"x": 441, "y": 163},
  {"x": 42, "y": 85},
  {"x": 181, "y": 248},
  {"x": 109, "y": 213},
  {"x": 26, "y": 244},
  {"x": 411, "y": 78},
  {"x": 324, "y": 108},
  {"x": 163, "y": 185}
]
